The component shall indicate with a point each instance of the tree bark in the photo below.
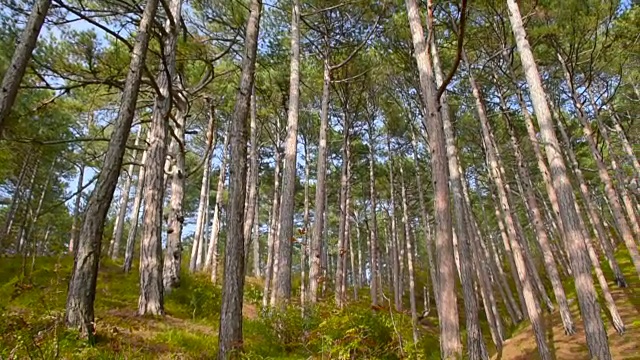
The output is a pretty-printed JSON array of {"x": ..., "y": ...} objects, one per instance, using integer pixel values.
[
  {"x": 595, "y": 332},
  {"x": 20, "y": 59},
  {"x": 343, "y": 214},
  {"x": 82, "y": 285},
  {"x": 124, "y": 204},
  {"x": 304, "y": 250},
  {"x": 173, "y": 253},
  {"x": 393, "y": 235},
  {"x": 317, "y": 238},
  {"x": 448, "y": 312},
  {"x": 283, "y": 283},
  {"x": 15, "y": 200},
  {"x": 230, "y": 338},
  {"x": 375, "y": 285},
  {"x": 151, "y": 299}
]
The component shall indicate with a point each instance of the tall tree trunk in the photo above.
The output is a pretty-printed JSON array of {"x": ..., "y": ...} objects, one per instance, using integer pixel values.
[
  {"x": 20, "y": 59},
  {"x": 317, "y": 238},
  {"x": 524, "y": 273},
  {"x": 273, "y": 224},
  {"x": 283, "y": 283},
  {"x": 230, "y": 338},
  {"x": 448, "y": 308},
  {"x": 590, "y": 309},
  {"x": 205, "y": 186},
  {"x": 343, "y": 213},
  {"x": 375, "y": 285},
  {"x": 393, "y": 235},
  {"x": 211, "y": 261},
  {"x": 135, "y": 215},
  {"x": 151, "y": 299},
  {"x": 253, "y": 170},
  {"x": 304, "y": 249},
  {"x": 410, "y": 259},
  {"x": 82, "y": 285},
  {"x": 173, "y": 253},
  {"x": 538, "y": 224},
  {"x": 124, "y": 204},
  {"x": 257, "y": 272},
  {"x": 592, "y": 213},
  {"x": 475, "y": 343}
]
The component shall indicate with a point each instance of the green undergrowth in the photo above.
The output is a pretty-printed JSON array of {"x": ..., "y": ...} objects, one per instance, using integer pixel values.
[{"x": 32, "y": 327}]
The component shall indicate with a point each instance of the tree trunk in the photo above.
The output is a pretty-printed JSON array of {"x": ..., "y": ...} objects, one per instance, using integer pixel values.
[
  {"x": 211, "y": 261},
  {"x": 595, "y": 332},
  {"x": 76, "y": 221},
  {"x": 343, "y": 213},
  {"x": 524, "y": 272},
  {"x": 393, "y": 235},
  {"x": 625, "y": 143},
  {"x": 15, "y": 200},
  {"x": 304, "y": 249},
  {"x": 317, "y": 238},
  {"x": 475, "y": 343},
  {"x": 124, "y": 204},
  {"x": 592, "y": 213},
  {"x": 151, "y": 299},
  {"x": 538, "y": 224},
  {"x": 410, "y": 259},
  {"x": 253, "y": 170},
  {"x": 273, "y": 224},
  {"x": 205, "y": 186},
  {"x": 173, "y": 254},
  {"x": 448, "y": 309},
  {"x": 82, "y": 285},
  {"x": 230, "y": 338},
  {"x": 135, "y": 215},
  {"x": 20, "y": 59},
  {"x": 375, "y": 285},
  {"x": 283, "y": 283}
]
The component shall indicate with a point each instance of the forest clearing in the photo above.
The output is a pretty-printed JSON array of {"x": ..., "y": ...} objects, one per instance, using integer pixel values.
[{"x": 337, "y": 179}]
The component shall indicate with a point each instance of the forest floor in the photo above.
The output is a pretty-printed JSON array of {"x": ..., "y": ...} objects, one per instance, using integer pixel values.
[
  {"x": 32, "y": 310},
  {"x": 522, "y": 346}
]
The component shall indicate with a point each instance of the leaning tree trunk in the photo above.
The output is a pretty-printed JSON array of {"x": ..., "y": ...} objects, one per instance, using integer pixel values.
[
  {"x": 211, "y": 261},
  {"x": 20, "y": 59},
  {"x": 587, "y": 298},
  {"x": 230, "y": 338},
  {"x": 317, "y": 238},
  {"x": 173, "y": 253},
  {"x": 524, "y": 272},
  {"x": 124, "y": 204},
  {"x": 625, "y": 143},
  {"x": 448, "y": 310},
  {"x": 285, "y": 234},
  {"x": 135, "y": 215},
  {"x": 538, "y": 224},
  {"x": 82, "y": 285},
  {"x": 203, "y": 202},
  {"x": 592, "y": 212},
  {"x": 151, "y": 299}
]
